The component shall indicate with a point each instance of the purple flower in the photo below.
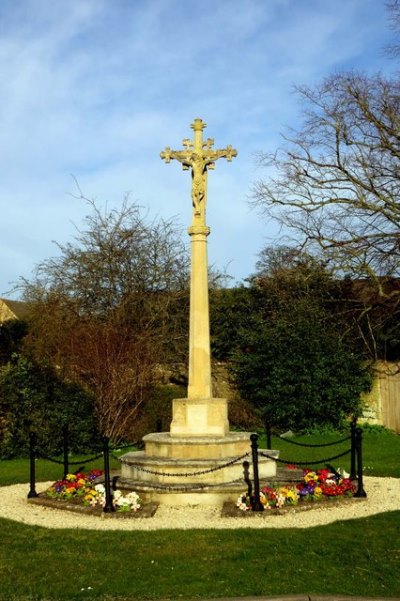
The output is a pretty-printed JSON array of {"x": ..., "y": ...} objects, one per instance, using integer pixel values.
[{"x": 307, "y": 490}]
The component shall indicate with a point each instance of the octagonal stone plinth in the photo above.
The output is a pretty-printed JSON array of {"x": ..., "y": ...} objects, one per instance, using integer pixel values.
[
  {"x": 166, "y": 445},
  {"x": 183, "y": 461},
  {"x": 157, "y": 470}
]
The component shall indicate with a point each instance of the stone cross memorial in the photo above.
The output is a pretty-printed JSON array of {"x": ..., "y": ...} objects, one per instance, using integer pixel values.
[
  {"x": 200, "y": 413},
  {"x": 199, "y": 460}
]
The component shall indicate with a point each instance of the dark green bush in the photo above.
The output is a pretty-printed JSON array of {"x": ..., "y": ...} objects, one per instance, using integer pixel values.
[
  {"x": 376, "y": 429},
  {"x": 32, "y": 398},
  {"x": 297, "y": 371},
  {"x": 156, "y": 414},
  {"x": 12, "y": 333}
]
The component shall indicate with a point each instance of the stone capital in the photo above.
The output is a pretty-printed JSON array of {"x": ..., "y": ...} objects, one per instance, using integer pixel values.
[{"x": 203, "y": 230}]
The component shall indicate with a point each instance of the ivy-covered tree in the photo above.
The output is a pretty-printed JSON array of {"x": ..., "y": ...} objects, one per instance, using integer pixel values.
[
  {"x": 297, "y": 371},
  {"x": 230, "y": 309},
  {"x": 292, "y": 357}
]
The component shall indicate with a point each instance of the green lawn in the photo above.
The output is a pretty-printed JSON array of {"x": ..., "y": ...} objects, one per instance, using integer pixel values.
[
  {"x": 381, "y": 451},
  {"x": 381, "y": 457},
  {"x": 356, "y": 557},
  {"x": 360, "y": 557},
  {"x": 15, "y": 471}
]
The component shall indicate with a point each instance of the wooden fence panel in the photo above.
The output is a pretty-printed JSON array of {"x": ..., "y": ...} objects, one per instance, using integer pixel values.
[
  {"x": 389, "y": 385},
  {"x": 391, "y": 403}
]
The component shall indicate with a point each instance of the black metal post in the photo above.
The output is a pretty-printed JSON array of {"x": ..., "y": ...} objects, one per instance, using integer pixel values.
[
  {"x": 353, "y": 427},
  {"x": 246, "y": 476},
  {"x": 256, "y": 504},
  {"x": 360, "y": 488},
  {"x": 65, "y": 449},
  {"x": 109, "y": 506},
  {"x": 32, "y": 458}
]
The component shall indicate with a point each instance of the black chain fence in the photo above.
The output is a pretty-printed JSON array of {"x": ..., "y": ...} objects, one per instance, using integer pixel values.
[
  {"x": 318, "y": 462},
  {"x": 355, "y": 450},
  {"x": 356, "y": 464},
  {"x": 326, "y": 444},
  {"x": 191, "y": 474},
  {"x": 61, "y": 462}
]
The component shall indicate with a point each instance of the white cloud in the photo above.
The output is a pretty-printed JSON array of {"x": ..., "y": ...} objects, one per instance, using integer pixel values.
[{"x": 98, "y": 89}]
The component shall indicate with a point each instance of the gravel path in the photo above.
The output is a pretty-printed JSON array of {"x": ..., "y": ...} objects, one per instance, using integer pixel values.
[{"x": 383, "y": 495}]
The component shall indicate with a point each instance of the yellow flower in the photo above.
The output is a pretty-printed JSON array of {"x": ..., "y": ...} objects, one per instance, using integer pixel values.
[
  {"x": 70, "y": 477},
  {"x": 317, "y": 491}
]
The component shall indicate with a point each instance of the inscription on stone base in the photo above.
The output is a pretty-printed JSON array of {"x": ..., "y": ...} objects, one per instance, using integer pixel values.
[{"x": 199, "y": 417}]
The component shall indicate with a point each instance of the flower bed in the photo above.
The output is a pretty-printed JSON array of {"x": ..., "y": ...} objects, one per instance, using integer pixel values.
[
  {"x": 81, "y": 489},
  {"x": 321, "y": 485}
]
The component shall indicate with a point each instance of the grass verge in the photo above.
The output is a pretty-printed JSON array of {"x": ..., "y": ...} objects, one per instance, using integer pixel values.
[
  {"x": 381, "y": 451},
  {"x": 356, "y": 557},
  {"x": 16, "y": 471}
]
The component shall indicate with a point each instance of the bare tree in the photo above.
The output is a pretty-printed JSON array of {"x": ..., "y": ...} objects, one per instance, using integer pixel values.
[
  {"x": 110, "y": 308},
  {"x": 393, "y": 8},
  {"x": 335, "y": 182}
]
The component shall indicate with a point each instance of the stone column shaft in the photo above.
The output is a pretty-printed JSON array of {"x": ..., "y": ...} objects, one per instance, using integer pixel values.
[{"x": 199, "y": 386}]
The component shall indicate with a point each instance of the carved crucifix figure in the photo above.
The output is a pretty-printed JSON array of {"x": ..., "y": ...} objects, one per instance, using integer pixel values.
[{"x": 198, "y": 156}]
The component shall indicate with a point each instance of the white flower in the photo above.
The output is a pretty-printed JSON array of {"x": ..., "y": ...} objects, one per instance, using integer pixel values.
[
  {"x": 280, "y": 501},
  {"x": 130, "y": 501},
  {"x": 241, "y": 503}
]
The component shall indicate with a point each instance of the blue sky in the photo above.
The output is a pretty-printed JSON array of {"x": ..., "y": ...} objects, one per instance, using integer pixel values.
[{"x": 95, "y": 89}]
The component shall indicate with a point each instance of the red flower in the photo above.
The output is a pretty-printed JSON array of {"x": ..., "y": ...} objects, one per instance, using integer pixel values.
[
  {"x": 331, "y": 490},
  {"x": 323, "y": 475},
  {"x": 269, "y": 493}
]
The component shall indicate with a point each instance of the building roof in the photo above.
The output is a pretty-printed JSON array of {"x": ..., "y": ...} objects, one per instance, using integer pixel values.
[{"x": 13, "y": 309}]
